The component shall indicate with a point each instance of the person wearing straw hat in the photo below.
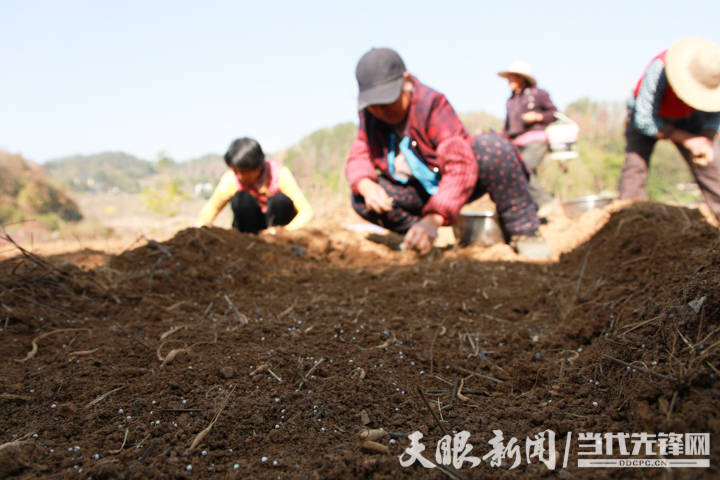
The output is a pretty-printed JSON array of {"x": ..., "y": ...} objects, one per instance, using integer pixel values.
[
  {"x": 677, "y": 99},
  {"x": 413, "y": 164},
  {"x": 529, "y": 111}
]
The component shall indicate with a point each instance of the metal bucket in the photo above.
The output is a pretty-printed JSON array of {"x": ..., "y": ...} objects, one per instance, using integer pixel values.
[
  {"x": 577, "y": 206},
  {"x": 480, "y": 228}
]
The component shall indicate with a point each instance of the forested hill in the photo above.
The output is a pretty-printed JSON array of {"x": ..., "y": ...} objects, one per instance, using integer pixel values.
[
  {"x": 26, "y": 193},
  {"x": 100, "y": 172}
]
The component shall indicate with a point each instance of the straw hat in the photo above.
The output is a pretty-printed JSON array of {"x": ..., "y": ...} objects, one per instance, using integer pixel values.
[
  {"x": 692, "y": 66},
  {"x": 518, "y": 67}
]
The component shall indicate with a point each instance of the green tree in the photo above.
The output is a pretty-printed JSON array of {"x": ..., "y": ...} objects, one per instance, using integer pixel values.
[{"x": 164, "y": 161}]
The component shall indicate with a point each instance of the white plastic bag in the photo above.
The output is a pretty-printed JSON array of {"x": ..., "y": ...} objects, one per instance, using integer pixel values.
[{"x": 562, "y": 137}]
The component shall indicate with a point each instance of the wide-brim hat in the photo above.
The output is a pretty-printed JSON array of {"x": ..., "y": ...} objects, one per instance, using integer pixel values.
[
  {"x": 380, "y": 78},
  {"x": 518, "y": 67},
  {"x": 692, "y": 67}
]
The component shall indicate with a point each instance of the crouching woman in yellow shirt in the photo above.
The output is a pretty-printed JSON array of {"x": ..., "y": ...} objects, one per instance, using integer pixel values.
[{"x": 262, "y": 192}]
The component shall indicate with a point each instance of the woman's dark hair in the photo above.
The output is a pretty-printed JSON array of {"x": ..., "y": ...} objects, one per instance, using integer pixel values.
[{"x": 245, "y": 153}]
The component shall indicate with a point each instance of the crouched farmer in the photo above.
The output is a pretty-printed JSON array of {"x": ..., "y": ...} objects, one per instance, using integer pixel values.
[
  {"x": 413, "y": 164},
  {"x": 262, "y": 192}
]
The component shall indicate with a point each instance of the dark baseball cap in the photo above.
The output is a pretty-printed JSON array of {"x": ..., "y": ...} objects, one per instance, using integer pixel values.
[{"x": 379, "y": 75}]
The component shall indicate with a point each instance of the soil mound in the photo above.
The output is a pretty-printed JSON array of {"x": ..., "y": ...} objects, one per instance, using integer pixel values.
[{"x": 218, "y": 354}]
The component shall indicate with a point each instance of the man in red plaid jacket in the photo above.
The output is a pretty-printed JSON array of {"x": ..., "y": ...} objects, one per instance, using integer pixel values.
[{"x": 413, "y": 164}]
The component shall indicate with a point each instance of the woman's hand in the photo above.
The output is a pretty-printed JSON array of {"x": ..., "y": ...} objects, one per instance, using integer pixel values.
[
  {"x": 422, "y": 235},
  {"x": 376, "y": 198},
  {"x": 532, "y": 117},
  {"x": 701, "y": 149}
]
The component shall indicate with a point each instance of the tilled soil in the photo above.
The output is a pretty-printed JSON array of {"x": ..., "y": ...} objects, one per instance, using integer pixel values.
[{"x": 218, "y": 354}]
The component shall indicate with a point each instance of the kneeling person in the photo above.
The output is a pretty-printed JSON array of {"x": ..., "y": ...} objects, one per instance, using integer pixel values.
[
  {"x": 413, "y": 165},
  {"x": 262, "y": 192}
]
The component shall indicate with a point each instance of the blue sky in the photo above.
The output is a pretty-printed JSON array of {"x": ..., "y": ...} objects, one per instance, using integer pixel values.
[{"x": 186, "y": 77}]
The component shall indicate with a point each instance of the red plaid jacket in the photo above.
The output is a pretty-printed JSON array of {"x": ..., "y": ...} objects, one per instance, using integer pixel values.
[{"x": 437, "y": 136}]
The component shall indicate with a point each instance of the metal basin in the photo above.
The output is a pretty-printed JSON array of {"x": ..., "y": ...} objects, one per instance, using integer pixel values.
[
  {"x": 577, "y": 206},
  {"x": 480, "y": 228}
]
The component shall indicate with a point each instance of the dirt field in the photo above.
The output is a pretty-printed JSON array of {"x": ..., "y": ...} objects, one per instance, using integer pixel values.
[{"x": 217, "y": 354}]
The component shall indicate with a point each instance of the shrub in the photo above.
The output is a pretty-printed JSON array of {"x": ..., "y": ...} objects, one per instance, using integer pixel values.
[
  {"x": 164, "y": 198},
  {"x": 10, "y": 214},
  {"x": 49, "y": 221}
]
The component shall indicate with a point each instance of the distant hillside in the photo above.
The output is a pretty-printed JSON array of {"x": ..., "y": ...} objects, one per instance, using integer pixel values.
[
  {"x": 27, "y": 193},
  {"x": 207, "y": 168},
  {"x": 318, "y": 162},
  {"x": 100, "y": 172}
]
